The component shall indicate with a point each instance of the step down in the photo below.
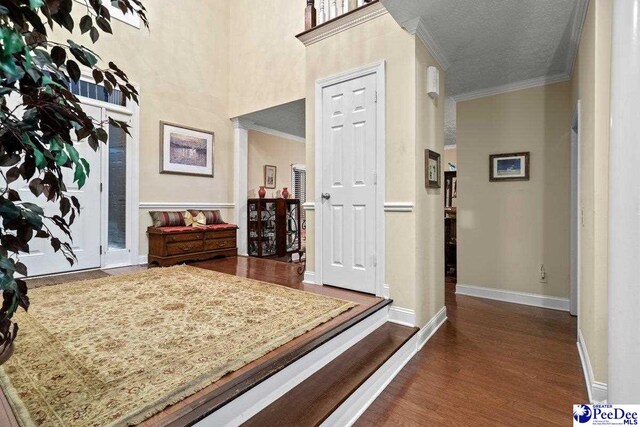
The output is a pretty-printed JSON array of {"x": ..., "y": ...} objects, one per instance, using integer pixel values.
[{"x": 313, "y": 400}]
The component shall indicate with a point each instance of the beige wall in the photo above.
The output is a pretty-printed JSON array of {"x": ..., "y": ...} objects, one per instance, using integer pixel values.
[
  {"x": 506, "y": 230},
  {"x": 178, "y": 86},
  {"x": 429, "y": 203},
  {"x": 450, "y": 156},
  {"x": 267, "y": 149},
  {"x": 591, "y": 85},
  {"x": 377, "y": 40},
  {"x": 267, "y": 61}
]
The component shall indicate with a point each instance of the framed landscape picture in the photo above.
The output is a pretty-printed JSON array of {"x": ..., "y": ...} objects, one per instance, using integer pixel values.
[
  {"x": 270, "y": 176},
  {"x": 433, "y": 169},
  {"x": 509, "y": 167},
  {"x": 186, "y": 151}
]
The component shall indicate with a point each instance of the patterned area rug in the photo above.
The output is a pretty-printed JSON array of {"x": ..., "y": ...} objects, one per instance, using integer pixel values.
[{"x": 115, "y": 351}]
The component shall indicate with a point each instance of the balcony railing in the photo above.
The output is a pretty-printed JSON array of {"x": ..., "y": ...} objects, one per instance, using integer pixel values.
[{"x": 320, "y": 11}]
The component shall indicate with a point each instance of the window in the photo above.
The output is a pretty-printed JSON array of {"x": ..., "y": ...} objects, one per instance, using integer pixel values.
[
  {"x": 97, "y": 92},
  {"x": 117, "y": 188},
  {"x": 116, "y": 13},
  {"x": 299, "y": 182}
]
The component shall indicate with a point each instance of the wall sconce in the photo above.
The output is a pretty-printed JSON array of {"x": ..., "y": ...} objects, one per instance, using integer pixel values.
[{"x": 433, "y": 82}]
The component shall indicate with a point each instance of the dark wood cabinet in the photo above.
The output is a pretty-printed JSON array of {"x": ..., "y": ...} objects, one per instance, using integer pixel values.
[{"x": 273, "y": 227}]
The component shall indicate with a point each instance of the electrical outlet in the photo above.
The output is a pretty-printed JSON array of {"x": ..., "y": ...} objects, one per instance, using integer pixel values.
[{"x": 543, "y": 274}]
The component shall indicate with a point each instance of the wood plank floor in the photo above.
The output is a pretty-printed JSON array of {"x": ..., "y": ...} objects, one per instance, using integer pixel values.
[
  {"x": 491, "y": 364},
  {"x": 317, "y": 397},
  {"x": 234, "y": 383}
]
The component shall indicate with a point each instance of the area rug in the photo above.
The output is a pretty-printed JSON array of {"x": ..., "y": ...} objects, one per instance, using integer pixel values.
[{"x": 117, "y": 350}]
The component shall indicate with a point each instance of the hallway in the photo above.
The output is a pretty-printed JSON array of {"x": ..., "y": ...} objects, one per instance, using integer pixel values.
[{"x": 492, "y": 363}]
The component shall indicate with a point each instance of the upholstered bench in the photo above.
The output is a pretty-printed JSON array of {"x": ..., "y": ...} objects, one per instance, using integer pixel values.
[{"x": 175, "y": 244}]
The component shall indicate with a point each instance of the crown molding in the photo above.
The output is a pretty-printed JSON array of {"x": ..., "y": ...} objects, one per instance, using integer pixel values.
[
  {"x": 418, "y": 27},
  {"x": 512, "y": 87},
  {"x": 342, "y": 23}
]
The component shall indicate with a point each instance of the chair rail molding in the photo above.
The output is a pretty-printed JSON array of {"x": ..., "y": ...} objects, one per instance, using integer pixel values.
[
  {"x": 398, "y": 206},
  {"x": 184, "y": 205}
]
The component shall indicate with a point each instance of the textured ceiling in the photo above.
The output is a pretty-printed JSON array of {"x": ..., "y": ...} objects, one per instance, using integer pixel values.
[
  {"x": 288, "y": 118},
  {"x": 491, "y": 43}
]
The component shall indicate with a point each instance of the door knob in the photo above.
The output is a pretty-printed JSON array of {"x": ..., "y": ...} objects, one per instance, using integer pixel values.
[{"x": 326, "y": 196}]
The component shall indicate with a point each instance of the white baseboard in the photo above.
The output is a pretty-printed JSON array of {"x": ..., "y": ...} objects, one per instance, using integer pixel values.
[
  {"x": 534, "y": 300},
  {"x": 309, "y": 278},
  {"x": 402, "y": 316},
  {"x": 597, "y": 391},
  {"x": 432, "y": 326},
  {"x": 142, "y": 260},
  {"x": 386, "y": 291},
  {"x": 355, "y": 405}
]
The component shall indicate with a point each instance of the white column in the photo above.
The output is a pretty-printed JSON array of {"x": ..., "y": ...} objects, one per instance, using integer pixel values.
[
  {"x": 240, "y": 163},
  {"x": 624, "y": 206}
]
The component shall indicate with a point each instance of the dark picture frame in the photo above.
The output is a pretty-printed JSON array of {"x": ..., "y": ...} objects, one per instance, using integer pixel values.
[
  {"x": 432, "y": 169},
  {"x": 509, "y": 167},
  {"x": 268, "y": 182},
  {"x": 203, "y": 163}
]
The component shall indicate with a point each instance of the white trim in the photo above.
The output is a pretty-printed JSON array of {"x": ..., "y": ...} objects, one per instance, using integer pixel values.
[
  {"x": 277, "y": 133},
  {"x": 576, "y": 208},
  {"x": 240, "y": 182},
  {"x": 535, "y": 300},
  {"x": 129, "y": 18},
  {"x": 351, "y": 409},
  {"x": 309, "y": 278},
  {"x": 418, "y": 27},
  {"x": 259, "y": 397},
  {"x": 577, "y": 23},
  {"x": 377, "y": 68},
  {"x": 309, "y": 206},
  {"x": 512, "y": 87},
  {"x": 450, "y": 147},
  {"x": 167, "y": 206},
  {"x": 143, "y": 260},
  {"x": 432, "y": 326},
  {"x": 340, "y": 24},
  {"x": 402, "y": 316},
  {"x": 597, "y": 390},
  {"x": 398, "y": 207},
  {"x": 386, "y": 291}
]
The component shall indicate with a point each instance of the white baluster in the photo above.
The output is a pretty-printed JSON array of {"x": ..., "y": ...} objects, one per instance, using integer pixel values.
[
  {"x": 345, "y": 6},
  {"x": 360, "y": 3},
  {"x": 322, "y": 16},
  {"x": 333, "y": 10}
]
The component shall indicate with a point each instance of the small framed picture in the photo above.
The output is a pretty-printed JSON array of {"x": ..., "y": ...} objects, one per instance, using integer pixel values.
[
  {"x": 186, "y": 151},
  {"x": 433, "y": 169},
  {"x": 270, "y": 176},
  {"x": 509, "y": 167}
]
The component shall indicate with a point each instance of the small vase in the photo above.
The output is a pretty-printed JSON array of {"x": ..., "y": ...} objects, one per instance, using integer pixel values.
[
  {"x": 262, "y": 192},
  {"x": 285, "y": 193}
]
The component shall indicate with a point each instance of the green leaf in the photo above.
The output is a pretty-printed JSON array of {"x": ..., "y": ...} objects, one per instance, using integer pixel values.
[
  {"x": 34, "y": 4},
  {"x": 79, "y": 177},
  {"x": 86, "y": 23},
  {"x": 73, "y": 153},
  {"x": 74, "y": 70},
  {"x": 58, "y": 55},
  {"x": 41, "y": 162},
  {"x": 87, "y": 168},
  {"x": 62, "y": 158}
]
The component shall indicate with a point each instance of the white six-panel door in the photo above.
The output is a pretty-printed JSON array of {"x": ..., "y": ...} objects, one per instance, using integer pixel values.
[{"x": 349, "y": 184}]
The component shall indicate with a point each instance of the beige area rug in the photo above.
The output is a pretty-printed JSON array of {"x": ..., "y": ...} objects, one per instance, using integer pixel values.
[{"x": 117, "y": 350}]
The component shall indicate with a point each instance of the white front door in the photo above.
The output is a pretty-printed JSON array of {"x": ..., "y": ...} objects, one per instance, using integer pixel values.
[
  {"x": 348, "y": 184},
  {"x": 86, "y": 228}
]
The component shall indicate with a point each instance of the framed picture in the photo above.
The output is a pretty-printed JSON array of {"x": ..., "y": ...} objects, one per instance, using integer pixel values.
[
  {"x": 509, "y": 167},
  {"x": 433, "y": 169},
  {"x": 270, "y": 176},
  {"x": 186, "y": 151}
]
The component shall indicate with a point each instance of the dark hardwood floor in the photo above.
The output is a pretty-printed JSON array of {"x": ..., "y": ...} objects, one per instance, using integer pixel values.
[{"x": 491, "y": 364}]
